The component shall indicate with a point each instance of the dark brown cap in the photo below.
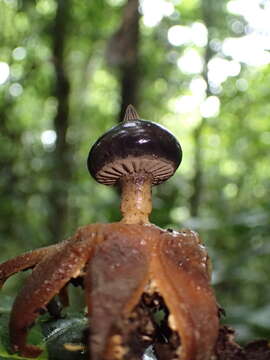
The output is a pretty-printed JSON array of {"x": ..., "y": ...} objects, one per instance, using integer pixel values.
[{"x": 134, "y": 146}]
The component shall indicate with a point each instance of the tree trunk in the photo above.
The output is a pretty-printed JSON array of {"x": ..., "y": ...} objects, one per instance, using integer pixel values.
[
  {"x": 61, "y": 157},
  {"x": 197, "y": 180},
  {"x": 9, "y": 177},
  {"x": 122, "y": 52}
]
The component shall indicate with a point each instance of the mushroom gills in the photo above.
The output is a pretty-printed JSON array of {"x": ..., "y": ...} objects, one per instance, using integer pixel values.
[
  {"x": 158, "y": 168},
  {"x": 146, "y": 328}
]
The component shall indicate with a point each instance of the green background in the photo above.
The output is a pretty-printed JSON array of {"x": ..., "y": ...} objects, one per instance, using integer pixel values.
[{"x": 67, "y": 70}]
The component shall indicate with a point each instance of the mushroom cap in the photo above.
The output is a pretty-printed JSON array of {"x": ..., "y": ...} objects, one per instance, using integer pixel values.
[{"x": 134, "y": 146}]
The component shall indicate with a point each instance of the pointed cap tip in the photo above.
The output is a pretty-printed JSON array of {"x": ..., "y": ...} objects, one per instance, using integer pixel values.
[{"x": 130, "y": 114}]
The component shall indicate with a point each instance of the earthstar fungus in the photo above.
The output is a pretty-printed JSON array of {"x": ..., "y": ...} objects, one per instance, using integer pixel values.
[{"x": 130, "y": 269}]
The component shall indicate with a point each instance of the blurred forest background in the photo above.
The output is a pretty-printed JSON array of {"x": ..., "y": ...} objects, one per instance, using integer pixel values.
[{"x": 68, "y": 69}]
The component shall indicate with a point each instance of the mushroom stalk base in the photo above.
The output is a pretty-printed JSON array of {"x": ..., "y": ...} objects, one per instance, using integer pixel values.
[{"x": 136, "y": 202}]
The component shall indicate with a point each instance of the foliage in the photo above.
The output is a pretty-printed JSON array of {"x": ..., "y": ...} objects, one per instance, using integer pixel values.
[
  {"x": 226, "y": 151},
  {"x": 35, "y": 335},
  {"x": 59, "y": 338}
]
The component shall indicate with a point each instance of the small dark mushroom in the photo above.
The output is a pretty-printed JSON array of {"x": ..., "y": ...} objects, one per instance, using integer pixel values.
[{"x": 137, "y": 154}]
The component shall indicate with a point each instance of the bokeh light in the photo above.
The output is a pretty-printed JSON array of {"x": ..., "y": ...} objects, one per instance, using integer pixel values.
[
  {"x": 152, "y": 15},
  {"x": 48, "y": 138},
  {"x": 4, "y": 72}
]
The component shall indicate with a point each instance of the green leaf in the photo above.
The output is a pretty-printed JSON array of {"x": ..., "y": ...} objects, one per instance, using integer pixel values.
[
  {"x": 60, "y": 339},
  {"x": 35, "y": 337},
  {"x": 6, "y": 303},
  {"x": 65, "y": 338}
]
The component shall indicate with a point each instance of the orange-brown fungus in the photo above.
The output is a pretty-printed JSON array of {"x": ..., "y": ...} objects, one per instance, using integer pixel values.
[{"x": 130, "y": 269}]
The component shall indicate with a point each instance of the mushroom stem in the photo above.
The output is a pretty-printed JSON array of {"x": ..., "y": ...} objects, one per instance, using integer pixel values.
[{"x": 136, "y": 201}]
